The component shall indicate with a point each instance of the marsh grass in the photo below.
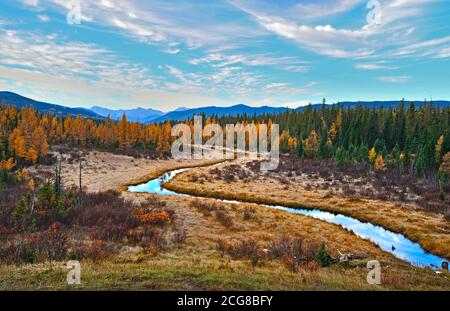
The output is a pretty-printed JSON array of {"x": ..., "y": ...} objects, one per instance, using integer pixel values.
[{"x": 430, "y": 230}]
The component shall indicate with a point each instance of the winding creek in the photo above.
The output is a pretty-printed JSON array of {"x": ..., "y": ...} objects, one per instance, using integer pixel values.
[{"x": 394, "y": 243}]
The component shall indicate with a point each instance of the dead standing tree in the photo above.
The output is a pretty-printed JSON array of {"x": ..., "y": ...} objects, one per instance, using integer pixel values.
[
  {"x": 57, "y": 183},
  {"x": 80, "y": 193}
]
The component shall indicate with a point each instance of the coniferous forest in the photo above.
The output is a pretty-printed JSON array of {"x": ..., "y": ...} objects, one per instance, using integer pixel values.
[{"x": 414, "y": 139}]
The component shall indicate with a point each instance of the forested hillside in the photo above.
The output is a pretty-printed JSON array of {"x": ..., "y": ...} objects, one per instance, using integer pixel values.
[{"x": 414, "y": 140}]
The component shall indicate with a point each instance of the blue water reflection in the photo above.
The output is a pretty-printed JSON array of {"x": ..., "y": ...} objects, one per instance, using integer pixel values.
[
  {"x": 155, "y": 185},
  {"x": 391, "y": 242}
]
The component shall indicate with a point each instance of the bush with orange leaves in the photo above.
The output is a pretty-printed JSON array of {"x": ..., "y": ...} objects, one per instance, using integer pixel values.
[
  {"x": 157, "y": 218},
  {"x": 291, "y": 264}
]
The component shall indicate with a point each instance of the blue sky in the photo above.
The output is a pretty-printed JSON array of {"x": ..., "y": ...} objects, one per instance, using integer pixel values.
[{"x": 189, "y": 53}]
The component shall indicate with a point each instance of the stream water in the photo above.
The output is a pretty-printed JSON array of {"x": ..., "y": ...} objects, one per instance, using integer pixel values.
[{"x": 394, "y": 243}]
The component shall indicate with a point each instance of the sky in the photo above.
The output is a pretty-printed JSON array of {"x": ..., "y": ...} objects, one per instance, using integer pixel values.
[{"x": 188, "y": 53}]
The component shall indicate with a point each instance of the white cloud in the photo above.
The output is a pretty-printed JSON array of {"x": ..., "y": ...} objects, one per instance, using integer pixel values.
[
  {"x": 50, "y": 62},
  {"x": 31, "y": 3},
  {"x": 397, "y": 79},
  {"x": 443, "y": 53},
  {"x": 428, "y": 48},
  {"x": 44, "y": 18},
  {"x": 322, "y": 39},
  {"x": 366, "y": 41},
  {"x": 172, "y": 51},
  {"x": 160, "y": 21},
  {"x": 374, "y": 66},
  {"x": 320, "y": 9},
  {"x": 75, "y": 92},
  {"x": 297, "y": 69},
  {"x": 49, "y": 55},
  {"x": 223, "y": 60},
  {"x": 176, "y": 73},
  {"x": 276, "y": 86}
]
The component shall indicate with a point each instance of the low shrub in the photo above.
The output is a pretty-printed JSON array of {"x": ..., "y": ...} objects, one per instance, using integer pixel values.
[
  {"x": 294, "y": 253},
  {"x": 224, "y": 218},
  {"x": 37, "y": 230},
  {"x": 193, "y": 178},
  {"x": 206, "y": 208},
  {"x": 323, "y": 258},
  {"x": 249, "y": 213},
  {"x": 94, "y": 251},
  {"x": 180, "y": 235},
  {"x": 291, "y": 264},
  {"x": 222, "y": 246},
  {"x": 49, "y": 245},
  {"x": 157, "y": 218},
  {"x": 447, "y": 216},
  {"x": 245, "y": 249}
]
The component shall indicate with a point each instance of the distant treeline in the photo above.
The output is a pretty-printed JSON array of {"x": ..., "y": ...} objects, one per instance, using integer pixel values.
[
  {"x": 25, "y": 135},
  {"x": 412, "y": 138}
]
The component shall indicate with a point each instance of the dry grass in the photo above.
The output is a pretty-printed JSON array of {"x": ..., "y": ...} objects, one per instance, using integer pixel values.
[
  {"x": 180, "y": 271},
  {"x": 430, "y": 230},
  {"x": 197, "y": 265},
  {"x": 106, "y": 171}
]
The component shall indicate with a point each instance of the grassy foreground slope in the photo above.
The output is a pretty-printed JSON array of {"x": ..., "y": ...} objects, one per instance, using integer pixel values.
[
  {"x": 234, "y": 182},
  {"x": 223, "y": 249}
]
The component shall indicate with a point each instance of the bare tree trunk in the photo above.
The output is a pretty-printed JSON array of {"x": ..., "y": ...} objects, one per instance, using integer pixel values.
[{"x": 80, "y": 196}]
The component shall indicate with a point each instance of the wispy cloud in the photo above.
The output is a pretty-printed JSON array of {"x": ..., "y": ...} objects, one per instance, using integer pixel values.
[
  {"x": 172, "y": 51},
  {"x": 31, "y": 3},
  {"x": 253, "y": 51},
  {"x": 361, "y": 42},
  {"x": 44, "y": 18},
  {"x": 298, "y": 69},
  {"x": 222, "y": 60},
  {"x": 51, "y": 55},
  {"x": 374, "y": 66},
  {"x": 395, "y": 79},
  {"x": 436, "y": 47},
  {"x": 322, "y": 39},
  {"x": 321, "y": 9},
  {"x": 159, "y": 21}
]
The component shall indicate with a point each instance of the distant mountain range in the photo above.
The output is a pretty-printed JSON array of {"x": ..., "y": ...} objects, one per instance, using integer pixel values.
[
  {"x": 241, "y": 109},
  {"x": 136, "y": 115},
  {"x": 20, "y": 101},
  {"x": 178, "y": 115},
  {"x": 146, "y": 115}
]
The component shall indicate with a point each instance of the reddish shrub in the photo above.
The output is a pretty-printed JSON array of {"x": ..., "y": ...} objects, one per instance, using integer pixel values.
[
  {"x": 180, "y": 235},
  {"x": 224, "y": 218},
  {"x": 290, "y": 263},
  {"x": 222, "y": 246},
  {"x": 41, "y": 246},
  {"x": 158, "y": 218},
  {"x": 447, "y": 216},
  {"x": 245, "y": 249},
  {"x": 249, "y": 213},
  {"x": 206, "y": 208},
  {"x": 95, "y": 251}
]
